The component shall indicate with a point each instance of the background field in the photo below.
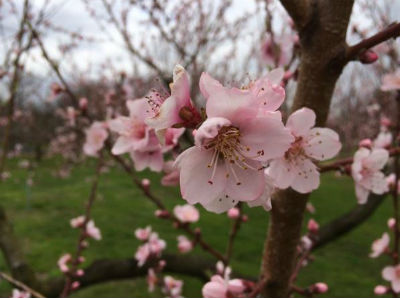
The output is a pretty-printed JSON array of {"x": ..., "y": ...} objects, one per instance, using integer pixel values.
[{"x": 43, "y": 221}]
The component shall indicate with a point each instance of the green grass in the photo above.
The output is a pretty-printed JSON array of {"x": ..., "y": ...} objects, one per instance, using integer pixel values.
[{"x": 43, "y": 225}]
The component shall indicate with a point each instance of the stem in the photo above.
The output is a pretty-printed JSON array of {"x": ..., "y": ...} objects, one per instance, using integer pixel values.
[
  {"x": 232, "y": 235},
  {"x": 80, "y": 246},
  {"x": 20, "y": 285}
]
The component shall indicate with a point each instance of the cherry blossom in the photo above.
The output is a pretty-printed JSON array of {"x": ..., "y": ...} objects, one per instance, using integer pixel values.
[
  {"x": 143, "y": 234},
  {"x": 366, "y": 172},
  {"x": 225, "y": 165},
  {"x": 151, "y": 279},
  {"x": 220, "y": 287},
  {"x": 77, "y": 221},
  {"x": 392, "y": 274},
  {"x": 63, "y": 262},
  {"x": 142, "y": 254},
  {"x": 93, "y": 231},
  {"x": 172, "y": 287},
  {"x": 312, "y": 226},
  {"x": 383, "y": 140},
  {"x": 296, "y": 168},
  {"x": 380, "y": 290},
  {"x": 186, "y": 213},
  {"x": 380, "y": 245},
  {"x": 96, "y": 134},
  {"x": 167, "y": 112},
  {"x": 391, "y": 82},
  {"x": 20, "y": 294},
  {"x": 184, "y": 244}
]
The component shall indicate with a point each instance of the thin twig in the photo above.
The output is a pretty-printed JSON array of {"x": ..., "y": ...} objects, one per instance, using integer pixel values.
[
  {"x": 21, "y": 285},
  {"x": 234, "y": 231}
]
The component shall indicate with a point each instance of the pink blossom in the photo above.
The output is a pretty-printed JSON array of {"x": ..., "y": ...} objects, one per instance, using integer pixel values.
[
  {"x": 20, "y": 294},
  {"x": 312, "y": 226},
  {"x": 63, "y": 262},
  {"x": 156, "y": 245},
  {"x": 366, "y": 172},
  {"x": 310, "y": 208},
  {"x": 152, "y": 159},
  {"x": 392, "y": 274},
  {"x": 380, "y": 290},
  {"x": 151, "y": 279},
  {"x": 77, "y": 221},
  {"x": 220, "y": 287},
  {"x": 83, "y": 103},
  {"x": 93, "y": 231},
  {"x": 391, "y": 82},
  {"x": 171, "y": 177},
  {"x": 367, "y": 143},
  {"x": 145, "y": 183},
  {"x": 167, "y": 112},
  {"x": 75, "y": 285},
  {"x": 233, "y": 213},
  {"x": 170, "y": 138},
  {"x": 186, "y": 213},
  {"x": 385, "y": 122},
  {"x": 95, "y": 137},
  {"x": 143, "y": 234},
  {"x": 224, "y": 167},
  {"x": 142, "y": 254},
  {"x": 380, "y": 245},
  {"x": 172, "y": 287},
  {"x": 184, "y": 244},
  {"x": 296, "y": 169},
  {"x": 306, "y": 242},
  {"x": 133, "y": 133}
]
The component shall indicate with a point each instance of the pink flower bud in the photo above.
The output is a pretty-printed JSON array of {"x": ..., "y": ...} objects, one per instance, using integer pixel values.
[
  {"x": 380, "y": 290},
  {"x": 233, "y": 213},
  {"x": 75, "y": 285},
  {"x": 320, "y": 288},
  {"x": 245, "y": 218},
  {"x": 368, "y": 57},
  {"x": 385, "y": 122},
  {"x": 146, "y": 183},
  {"x": 80, "y": 272},
  {"x": 313, "y": 226},
  {"x": 310, "y": 208},
  {"x": 161, "y": 213},
  {"x": 162, "y": 264},
  {"x": 367, "y": 143},
  {"x": 391, "y": 223},
  {"x": 83, "y": 103},
  {"x": 81, "y": 259}
]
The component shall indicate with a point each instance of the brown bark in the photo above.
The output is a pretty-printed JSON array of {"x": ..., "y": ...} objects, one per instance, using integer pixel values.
[{"x": 323, "y": 48}]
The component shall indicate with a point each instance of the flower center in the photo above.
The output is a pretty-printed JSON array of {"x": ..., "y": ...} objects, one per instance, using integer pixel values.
[
  {"x": 296, "y": 149},
  {"x": 227, "y": 147}
]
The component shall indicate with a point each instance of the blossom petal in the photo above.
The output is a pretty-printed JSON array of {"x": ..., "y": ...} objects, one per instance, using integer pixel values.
[
  {"x": 267, "y": 135},
  {"x": 361, "y": 194},
  {"x": 388, "y": 273},
  {"x": 195, "y": 176},
  {"x": 221, "y": 204},
  {"x": 377, "y": 159},
  {"x": 301, "y": 121},
  {"x": 209, "y": 85},
  {"x": 322, "y": 143},
  {"x": 151, "y": 159},
  {"x": 306, "y": 178},
  {"x": 122, "y": 145},
  {"x": 281, "y": 172}
]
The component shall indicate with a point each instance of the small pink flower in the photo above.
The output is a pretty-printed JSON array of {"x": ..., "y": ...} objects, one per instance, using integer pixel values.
[
  {"x": 392, "y": 274},
  {"x": 145, "y": 183},
  {"x": 83, "y": 103},
  {"x": 95, "y": 137},
  {"x": 391, "y": 82},
  {"x": 75, "y": 285},
  {"x": 20, "y": 294},
  {"x": 233, "y": 213},
  {"x": 366, "y": 172},
  {"x": 306, "y": 242},
  {"x": 186, "y": 213},
  {"x": 380, "y": 245},
  {"x": 152, "y": 159},
  {"x": 63, "y": 262},
  {"x": 313, "y": 226},
  {"x": 143, "y": 234},
  {"x": 171, "y": 177},
  {"x": 380, "y": 290},
  {"x": 184, "y": 244},
  {"x": 156, "y": 245},
  {"x": 220, "y": 287},
  {"x": 151, "y": 279},
  {"x": 168, "y": 112},
  {"x": 172, "y": 287},
  {"x": 296, "y": 169},
  {"x": 93, "y": 231},
  {"x": 142, "y": 254},
  {"x": 77, "y": 222}
]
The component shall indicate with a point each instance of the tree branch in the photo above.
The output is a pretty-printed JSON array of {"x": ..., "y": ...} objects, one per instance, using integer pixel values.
[{"x": 299, "y": 11}]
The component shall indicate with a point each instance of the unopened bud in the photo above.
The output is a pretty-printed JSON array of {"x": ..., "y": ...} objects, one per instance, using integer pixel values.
[{"x": 368, "y": 57}]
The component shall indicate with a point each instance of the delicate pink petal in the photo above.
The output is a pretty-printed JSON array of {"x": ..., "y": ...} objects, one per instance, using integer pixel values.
[
  {"x": 119, "y": 124},
  {"x": 306, "y": 177},
  {"x": 301, "y": 121},
  {"x": 396, "y": 285},
  {"x": 122, "y": 145},
  {"x": 267, "y": 135},
  {"x": 167, "y": 116},
  {"x": 195, "y": 176},
  {"x": 377, "y": 159},
  {"x": 376, "y": 182},
  {"x": 221, "y": 204},
  {"x": 245, "y": 185},
  {"x": 138, "y": 109},
  {"x": 322, "y": 143},
  {"x": 275, "y": 76},
  {"x": 151, "y": 159},
  {"x": 281, "y": 172},
  {"x": 389, "y": 273},
  {"x": 209, "y": 85},
  {"x": 180, "y": 88},
  {"x": 361, "y": 194}
]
